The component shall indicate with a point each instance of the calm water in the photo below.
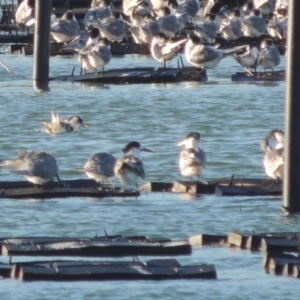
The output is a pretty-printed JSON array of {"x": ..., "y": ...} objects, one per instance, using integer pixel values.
[{"x": 232, "y": 119}]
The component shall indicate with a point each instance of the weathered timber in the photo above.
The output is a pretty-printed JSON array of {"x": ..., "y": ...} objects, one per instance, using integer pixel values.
[
  {"x": 207, "y": 240},
  {"x": 122, "y": 270},
  {"x": 193, "y": 187},
  {"x": 67, "y": 188},
  {"x": 138, "y": 75},
  {"x": 280, "y": 245},
  {"x": 156, "y": 187},
  {"x": 97, "y": 247},
  {"x": 280, "y": 263},
  {"x": 259, "y": 76},
  {"x": 5, "y": 270},
  {"x": 10, "y": 38}
]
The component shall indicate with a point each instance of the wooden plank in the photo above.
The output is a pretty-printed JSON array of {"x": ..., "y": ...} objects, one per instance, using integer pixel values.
[
  {"x": 279, "y": 245},
  {"x": 248, "y": 191},
  {"x": 102, "y": 248},
  {"x": 156, "y": 187},
  {"x": 259, "y": 76},
  {"x": 193, "y": 187},
  {"x": 5, "y": 270},
  {"x": 207, "y": 240},
  {"x": 236, "y": 239},
  {"x": 198, "y": 271}
]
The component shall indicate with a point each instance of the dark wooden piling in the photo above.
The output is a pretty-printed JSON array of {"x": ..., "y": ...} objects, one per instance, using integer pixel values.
[
  {"x": 259, "y": 76},
  {"x": 43, "y": 9},
  {"x": 291, "y": 190}
]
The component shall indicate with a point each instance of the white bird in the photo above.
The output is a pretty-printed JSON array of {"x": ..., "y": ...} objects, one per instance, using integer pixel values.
[
  {"x": 24, "y": 15},
  {"x": 248, "y": 59},
  {"x": 231, "y": 28},
  {"x": 102, "y": 11},
  {"x": 168, "y": 22},
  {"x": 100, "y": 167},
  {"x": 38, "y": 167},
  {"x": 130, "y": 167},
  {"x": 192, "y": 159},
  {"x": 57, "y": 125},
  {"x": 277, "y": 27},
  {"x": 207, "y": 30},
  {"x": 95, "y": 56},
  {"x": 163, "y": 50},
  {"x": 112, "y": 28},
  {"x": 273, "y": 146},
  {"x": 269, "y": 55},
  {"x": 65, "y": 29},
  {"x": 203, "y": 56},
  {"x": 254, "y": 25},
  {"x": 265, "y": 6}
]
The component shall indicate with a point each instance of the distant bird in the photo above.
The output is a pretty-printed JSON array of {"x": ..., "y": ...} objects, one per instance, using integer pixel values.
[
  {"x": 1, "y": 13},
  {"x": 38, "y": 167},
  {"x": 204, "y": 56},
  {"x": 254, "y": 25},
  {"x": 112, "y": 28},
  {"x": 168, "y": 22},
  {"x": 231, "y": 28},
  {"x": 207, "y": 30},
  {"x": 163, "y": 50},
  {"x": 57, "y": 125},
  {"x": 102, "y": 11},
  {"x": 130, "y": 167},
  {"x": 25, "y": 15},
  {"x": 269, "y": 55},
  {"x": 192, "y": 159},
  {"x": 265, "y": 6},
  {"x": 249, "y": 58},
  {"x": 273, "y": 146},
  {"x": 65, "y": 29},
  {"x": 277, "y": 27},
  {"x": 100, "y": 167},
  {"x": 95, "y": 56}
]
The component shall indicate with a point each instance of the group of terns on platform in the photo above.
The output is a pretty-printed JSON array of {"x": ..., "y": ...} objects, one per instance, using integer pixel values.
[
  {"x": 155, "y": 22},
  {"x": 39, "y": 167}
]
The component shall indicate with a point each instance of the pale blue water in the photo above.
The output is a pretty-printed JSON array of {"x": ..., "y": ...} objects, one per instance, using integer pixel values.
[{"x": 232, "y": 119}]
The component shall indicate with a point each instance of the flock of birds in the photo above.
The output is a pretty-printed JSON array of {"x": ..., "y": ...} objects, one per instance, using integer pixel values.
[
  {"x": 40, "y": 167},
  {"x": 160, "y": 23}
]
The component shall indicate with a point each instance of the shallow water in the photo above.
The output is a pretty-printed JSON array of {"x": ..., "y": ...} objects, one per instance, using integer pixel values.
[{"x": 232, "y": 119}]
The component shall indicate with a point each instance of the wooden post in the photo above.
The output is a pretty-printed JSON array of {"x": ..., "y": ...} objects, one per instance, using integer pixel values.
[
  {"x": 41, "y": 50},
  {"x": 291, "y": 183}
]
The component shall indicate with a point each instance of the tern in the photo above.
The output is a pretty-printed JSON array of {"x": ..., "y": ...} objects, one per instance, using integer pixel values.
[
  {"x": 207, "y": 30},
  {"x": 265, "y": 6},
  {"x": 269, "y": 55},
  {"x": 163, "y": 50},
  {"x": 203, "y": 56},
  {"x": 65, "y": 29},
  {"x": 254, "y": 25},
  {"x": 57, "y": 125},
  {"x": 130, "y": 167},
  {"x": 100, "y": 167},
  {"x": 273, "y": 146},
  {"x": 249, "y": 59},
  {"x": 231, "y": 28},
  {"x": 95, "y": 56},
  {"x": 192, "y": 159},
  {"x": 38, "y": 167},
  {"x": 168, "y": 22},
  {"x": 102, "y": 11},
  {"x": 25, "y": 15}
]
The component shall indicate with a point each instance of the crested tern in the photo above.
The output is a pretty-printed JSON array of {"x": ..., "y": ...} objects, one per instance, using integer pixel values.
[
  {"x": 231, "y": 28},
  {"x": 168, "y": 22},
  {"x": 130, "y": 166},
  {"x": 102, "y": 11},
  {"x": 254, "y": 25},
  {"x": 100, "y": 167},
  {"x": 38, "y": 167},
  {"x": 273, "y": 146},
  {"x": 192, "y": 159},
  {"x": 25, "y": 15},
  {"x": 207, "y": 30},
  {"x": 65, "y": 29},
  {"x": 269, "y": 55},
  {"x": 57, "y": 125}
]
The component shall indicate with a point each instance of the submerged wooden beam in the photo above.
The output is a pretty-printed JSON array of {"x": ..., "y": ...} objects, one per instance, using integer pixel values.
[
  {"x": 97, "y": 247},
  {"x": 159, "y": 269},
  {"x": 67, "y": 188},
  {"x": 259, "y": 76}
]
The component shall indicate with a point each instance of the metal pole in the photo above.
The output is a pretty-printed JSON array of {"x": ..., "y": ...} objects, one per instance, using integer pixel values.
[
  {"x": 291, "y": 183},
  {"x": 41, "y": 50}
]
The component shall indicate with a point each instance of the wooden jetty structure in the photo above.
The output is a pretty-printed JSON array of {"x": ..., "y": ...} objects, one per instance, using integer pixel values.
[
  {"x": 107, "y": 246},
  {"x": 137, "y": 75},
  {"x": 89, "y": 188},
  {"x": 259, "y": 76},
  {"x": 63, "y": 270}
]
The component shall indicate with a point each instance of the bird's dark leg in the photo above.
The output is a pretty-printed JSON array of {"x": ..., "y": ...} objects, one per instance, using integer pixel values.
[{"x": 57, "y": 177}]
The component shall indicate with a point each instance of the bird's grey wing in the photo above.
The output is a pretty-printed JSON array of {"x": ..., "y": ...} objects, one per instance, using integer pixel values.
[
  {"x": 201, "y": 157},
  {"x": 134, "y": 163},
  {"x": 202, "y": 54}
]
